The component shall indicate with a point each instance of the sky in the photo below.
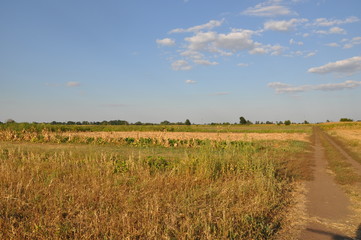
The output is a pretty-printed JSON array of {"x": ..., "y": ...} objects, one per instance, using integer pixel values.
[{"x": 202, "y": 60}]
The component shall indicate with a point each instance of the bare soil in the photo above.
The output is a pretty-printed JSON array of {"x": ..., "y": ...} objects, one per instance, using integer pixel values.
[{"x": 329, "y": 213}]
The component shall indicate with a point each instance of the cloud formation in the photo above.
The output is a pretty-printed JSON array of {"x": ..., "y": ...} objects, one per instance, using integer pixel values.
[
  {"x": 271, "y": 8},
  {"x": 243, "y": 64},
  {"x": 324, "y": 22},
  {"x": 205, "y": 45},
  {"x": 190, "y": 81},
  {"x": 349, "y": 43},
  {"x": 286, "y": 88},
  {"x": 72, "y": 84},
  {"x": 347, "y": 66},
  {"x": 166, "y": 42},
  {"x": 283, "y": 26},
  {"x": 207, "y": 26},
  {"x": 181, "y": 65},
  {"x": 333, "y": 30}
]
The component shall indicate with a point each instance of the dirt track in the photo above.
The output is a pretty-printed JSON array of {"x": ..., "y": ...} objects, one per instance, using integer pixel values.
[{"x": 328, "y": 208}]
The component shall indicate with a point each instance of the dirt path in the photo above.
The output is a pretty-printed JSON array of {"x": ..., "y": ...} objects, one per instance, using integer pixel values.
[{"x": 328, "y": 207}]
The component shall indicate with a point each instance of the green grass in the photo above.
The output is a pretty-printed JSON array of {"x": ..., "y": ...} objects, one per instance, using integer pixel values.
[{"x": 236, "y": 190}]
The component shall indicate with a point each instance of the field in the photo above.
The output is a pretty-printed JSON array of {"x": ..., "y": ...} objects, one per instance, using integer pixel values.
[
  {"x": 348, "y": 135},
  {"x": 178, "y": 185}
]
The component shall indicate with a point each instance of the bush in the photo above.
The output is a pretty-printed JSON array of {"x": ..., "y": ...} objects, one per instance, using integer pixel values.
[{"x": 346, "y": 120}]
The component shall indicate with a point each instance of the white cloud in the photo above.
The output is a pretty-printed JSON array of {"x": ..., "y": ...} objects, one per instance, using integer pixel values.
[
  {"x": 337, "y": 30},
  {"x": 324, "y": 22},
  {"x": 204, "y": 62},
  {"x": 346, "y": 43},
  {"x": 283, "y": 26},
  {"x": 166, "y": 42},
  {"x": 347, "y": 66},
  {"x": 286, "y": 88},
  {"x": 201, "y": 41},
  {"x": 237, "y": 40},
  {"x": 181, "y": 65},
  {"x": 270, "y": 8},
  {"x": 305, "y": 35},
  {"x": 349, "y": 43},
  {"x": 333, "y": 44},
  {"x": 224, "y": 44},
  {"x": 72, "y": 84},
  {"x": 258, "y": 50},
  {"x": 333, "y": 30},
  {"x": 311, "y": 54},
  {"x": 190, "y": 81},
  {"x": 210, "y": 25},
  {"x": 293, "y": 42},
  {"x": 243, "y": 64}
]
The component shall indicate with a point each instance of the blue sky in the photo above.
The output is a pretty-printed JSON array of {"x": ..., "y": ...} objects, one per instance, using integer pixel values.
[{"x": 154, "y": 60}]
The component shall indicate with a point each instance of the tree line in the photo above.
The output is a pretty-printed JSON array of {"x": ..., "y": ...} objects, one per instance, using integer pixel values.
[{"x": 242, "y": 121}]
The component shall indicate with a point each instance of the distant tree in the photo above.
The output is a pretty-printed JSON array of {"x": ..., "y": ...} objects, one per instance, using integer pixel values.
[
  {"x": 268, "y": 122},
  {"x": 287, "y": 122},
  {"x": 279, "y": 123},
  {"x": 10, "y": 121},
  {"x": 242, "y": 121},
  {"x": 346, "y": 120},
  {"x": 327, "y": 120},
  {"x": 187, "y": 122},
  {"x": 165, "y": 122},
  {"x": 306, "y": 122},
  {"x": 138, "y": 123}
]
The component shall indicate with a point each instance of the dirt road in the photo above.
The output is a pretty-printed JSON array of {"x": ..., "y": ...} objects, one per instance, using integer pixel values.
[{"x": 328, "y": 207}]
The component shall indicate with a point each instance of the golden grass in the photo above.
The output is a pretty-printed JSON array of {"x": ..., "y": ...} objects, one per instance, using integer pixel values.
[
  {"x": 350, "y": 139},
  {"x": 225, "y": 191}
]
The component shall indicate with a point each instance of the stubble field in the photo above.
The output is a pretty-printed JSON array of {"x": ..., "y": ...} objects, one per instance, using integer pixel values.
[{"x": 112, "y": 186}]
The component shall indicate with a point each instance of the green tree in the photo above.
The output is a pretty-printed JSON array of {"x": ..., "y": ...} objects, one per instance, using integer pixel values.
[
  {"x": 165, "y": 122},
  {"x": 242, "y": 121},
  {"x": 187, "y": 122},
  {"x": 346, "y": 120},
  {"x": 287, "y": 122}
]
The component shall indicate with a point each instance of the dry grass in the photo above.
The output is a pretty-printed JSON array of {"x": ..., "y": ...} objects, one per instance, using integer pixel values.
[
  {"x": 349, "y": 179},
  {"x": 153, "y": 138},
  {"x": 215, "y": 191},
  {"x": 349, "y": 136}
]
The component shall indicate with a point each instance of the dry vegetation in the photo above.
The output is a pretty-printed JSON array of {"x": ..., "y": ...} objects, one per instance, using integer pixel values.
[
  {"x": 348, "y": 135},
  {"x": 349, "y": 179},
  {"x": 146, "y": 190}
]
